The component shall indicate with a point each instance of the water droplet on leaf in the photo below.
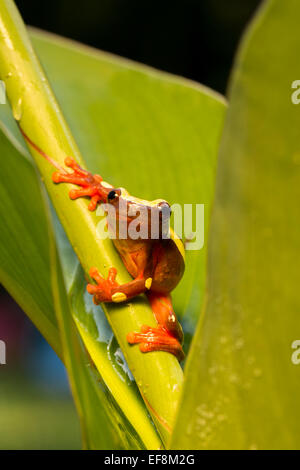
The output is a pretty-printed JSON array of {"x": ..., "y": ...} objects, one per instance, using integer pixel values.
[{"x": 17, "y": 109}]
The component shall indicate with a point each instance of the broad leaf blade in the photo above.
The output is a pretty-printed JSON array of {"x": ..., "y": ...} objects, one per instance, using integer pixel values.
[
  {"x": 27, "y": 232},
  {"x": 146, "y": 111},
  {"x": 154, "y": 133},
  {"x": 131, "y": 121},
  {"x": 24, "y": 241},
  {"x": 241, "y": 385}
]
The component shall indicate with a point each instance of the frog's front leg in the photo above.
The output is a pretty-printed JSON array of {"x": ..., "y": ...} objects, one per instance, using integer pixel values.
[
  {"x": 91, "y": 185},
  {"x": 108, "y": 290}
]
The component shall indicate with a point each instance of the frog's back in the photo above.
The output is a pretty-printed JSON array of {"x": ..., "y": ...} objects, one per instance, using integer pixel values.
[{"x": 170, "y": 264}]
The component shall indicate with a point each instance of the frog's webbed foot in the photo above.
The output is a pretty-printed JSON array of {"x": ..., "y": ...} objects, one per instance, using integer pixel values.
[
  {"x": 90, "y": 184},
  {"x": 102, "y": 292},
  {"x": 156, "y": 339},
  {"x": 108, "y": 290}
]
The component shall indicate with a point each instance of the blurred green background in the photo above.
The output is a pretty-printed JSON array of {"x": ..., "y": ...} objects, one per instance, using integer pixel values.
[{"x": 196, "y": 39}]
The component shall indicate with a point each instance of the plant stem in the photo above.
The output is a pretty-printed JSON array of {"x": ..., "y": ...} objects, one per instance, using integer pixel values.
[{"x": 158, "y": 374}]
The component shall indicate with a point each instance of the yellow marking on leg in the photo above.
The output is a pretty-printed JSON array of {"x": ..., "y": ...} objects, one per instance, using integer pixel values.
[
  {"x": 148, "y": 283},
  {"x": 118, "y": 297}
]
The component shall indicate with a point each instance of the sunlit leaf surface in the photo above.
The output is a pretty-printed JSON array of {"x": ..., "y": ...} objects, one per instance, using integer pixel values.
[{"x": 241, "y": 386}]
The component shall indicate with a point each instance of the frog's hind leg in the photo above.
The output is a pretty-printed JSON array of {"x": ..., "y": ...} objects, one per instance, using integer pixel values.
[
  {"x": 167, "y": 336},
  {"x": 156, "y": 339}
]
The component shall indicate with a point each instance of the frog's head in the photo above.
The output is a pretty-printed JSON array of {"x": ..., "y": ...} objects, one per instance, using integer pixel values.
[{"x": 151, "y": 217}]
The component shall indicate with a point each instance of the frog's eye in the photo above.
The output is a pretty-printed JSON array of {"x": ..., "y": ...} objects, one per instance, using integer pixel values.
[{"x": 112, "y": 195}]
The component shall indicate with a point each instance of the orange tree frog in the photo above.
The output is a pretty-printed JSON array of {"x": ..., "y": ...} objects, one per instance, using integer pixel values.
[{"x": 156, "y": 264}]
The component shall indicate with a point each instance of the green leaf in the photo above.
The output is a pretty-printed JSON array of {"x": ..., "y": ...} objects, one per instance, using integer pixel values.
[
  {"x": 241, "y": 388},
  {"x": 27, "y": 231},
  {"x": 131, "y": 122},
  {"x": 24, "y": 241},
  {"x": 135, "y": 121},
  {"x": 35, "y": 108}
]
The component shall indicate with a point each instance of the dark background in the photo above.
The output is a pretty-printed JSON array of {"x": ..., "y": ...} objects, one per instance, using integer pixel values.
[{"x": 193, "y": 38}]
